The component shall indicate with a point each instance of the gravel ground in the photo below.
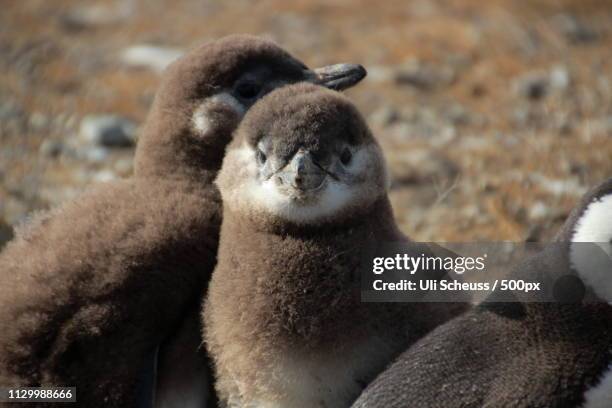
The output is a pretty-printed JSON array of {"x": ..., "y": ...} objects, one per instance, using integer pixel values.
[{"x": 495, "y": 116}]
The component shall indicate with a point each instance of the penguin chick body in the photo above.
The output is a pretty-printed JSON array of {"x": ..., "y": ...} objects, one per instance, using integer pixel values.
[
  {"x": 304, "y": 191},
  {"x": 526, "y": 354},
  {"x": 90, "y": 290}
]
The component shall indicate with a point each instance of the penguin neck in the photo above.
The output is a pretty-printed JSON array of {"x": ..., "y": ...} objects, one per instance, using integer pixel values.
[
  {"x": 311, "y": 275},
  {"x": 377, "y": 217},
  {"x": 375, "y": 225}
]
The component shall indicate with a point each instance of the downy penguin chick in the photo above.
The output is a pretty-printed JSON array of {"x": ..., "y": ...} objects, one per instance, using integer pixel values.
[
  {"x": 304, "y": 192},
  {"x": 526, "y": 354},
  {"x": 91, "y": 289}
]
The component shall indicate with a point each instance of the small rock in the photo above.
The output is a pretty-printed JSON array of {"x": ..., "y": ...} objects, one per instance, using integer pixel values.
[
  {"x": 108, "y": 131},
  {"x": 539, "y": 211},
  {"x": 577, "y": 169},
  {"x": 533, "y": 85},
  {"x": 150, "y": 56},
  {"x": 424, "y": 76},
  {"x": 95, "y": 154},
  {"x": 559, "y": 77},
  {"x": 104, "y": 176},
  {"x": 384, "y": 116},
  {"x": 536, "y": 85},
  {"x": 96, "y": 15},
  {"x": 457, "y": 115},
  {"x": 471, "y": 211},
  {"x": 574, "y": 30},
  {"x": 38, "y": 121},
  {"x": 557, "y": 187},
  {"x": 380, "y": 73},
  {"x": 51, "y": 148}
]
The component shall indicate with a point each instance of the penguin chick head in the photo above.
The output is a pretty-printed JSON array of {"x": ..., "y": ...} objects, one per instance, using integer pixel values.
[
  {"x": 204, "y": 95},
  {"x": 589, "y": 229},
  {"x": 303, "y": 155}
]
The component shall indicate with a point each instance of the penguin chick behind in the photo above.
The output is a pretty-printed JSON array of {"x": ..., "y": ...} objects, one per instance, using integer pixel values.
[
  {"x": 304, "y": 191},
  {"x": 525, "y": 354}
]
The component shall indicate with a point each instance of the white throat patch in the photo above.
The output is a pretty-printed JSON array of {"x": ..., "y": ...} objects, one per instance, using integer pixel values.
[
  {"x": 201, "y": 120},
  {"x": 595, "y": 225},
  {"x": 334, "y": 197}
]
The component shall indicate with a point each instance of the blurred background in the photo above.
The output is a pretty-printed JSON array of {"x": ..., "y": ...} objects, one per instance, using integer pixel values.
[{"x": 495, "y": 116}]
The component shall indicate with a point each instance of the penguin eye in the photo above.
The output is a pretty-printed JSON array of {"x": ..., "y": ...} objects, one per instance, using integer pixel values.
[
  {"x": 346, "y": 156},
  {"x": 261, "y": 156},
  {"x": 248, "y": 89}
]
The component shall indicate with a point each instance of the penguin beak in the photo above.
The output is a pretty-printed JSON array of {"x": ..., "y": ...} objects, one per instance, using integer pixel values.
[
  {"x": 302, "y": 174},
  {"x": 338, "y": 76}
]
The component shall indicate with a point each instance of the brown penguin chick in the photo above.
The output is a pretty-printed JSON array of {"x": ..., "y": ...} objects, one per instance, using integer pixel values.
[
  {"x": 92, "y": 288},
  {"x": 304, "y": 192},
  {"x": 524, "y": 354}
]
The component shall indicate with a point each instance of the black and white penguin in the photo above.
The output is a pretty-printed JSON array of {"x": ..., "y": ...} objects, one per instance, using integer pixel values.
[
  {"x": 523, "y": 354},
  {"x": 304, "y": 191},
  {"x": 90, "y": 290}
]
